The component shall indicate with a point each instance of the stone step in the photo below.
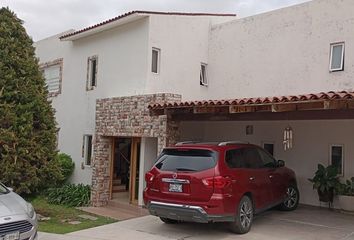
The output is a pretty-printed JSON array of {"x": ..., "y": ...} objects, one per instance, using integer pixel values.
[{"x": 119, "y": 188}]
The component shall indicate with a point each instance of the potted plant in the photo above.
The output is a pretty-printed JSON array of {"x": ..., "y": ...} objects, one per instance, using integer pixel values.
[
  {"x": 346, "y": 195},
  {"x": 326, "y": 181}
]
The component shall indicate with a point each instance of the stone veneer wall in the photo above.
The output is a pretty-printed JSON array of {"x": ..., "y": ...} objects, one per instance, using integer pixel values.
[{"x": 126, "y": 117}]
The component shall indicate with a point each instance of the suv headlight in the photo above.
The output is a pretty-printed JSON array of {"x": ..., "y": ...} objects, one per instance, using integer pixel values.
[{"x": 30, "y": 210}]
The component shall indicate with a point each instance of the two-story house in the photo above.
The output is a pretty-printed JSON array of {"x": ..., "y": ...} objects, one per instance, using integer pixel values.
[{"x": 125, "y": 88}]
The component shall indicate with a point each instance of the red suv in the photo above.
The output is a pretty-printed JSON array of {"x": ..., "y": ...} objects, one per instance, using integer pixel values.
[{"x": 218, "y": 182}]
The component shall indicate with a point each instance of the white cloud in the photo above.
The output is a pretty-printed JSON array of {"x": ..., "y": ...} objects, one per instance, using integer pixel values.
[{"x": 44, "y": 18}]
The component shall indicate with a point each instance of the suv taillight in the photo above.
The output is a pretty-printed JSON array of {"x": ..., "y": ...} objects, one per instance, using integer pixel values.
[
  {"x": 217, "y": 182},
  {"x": 149, "y": 177}
]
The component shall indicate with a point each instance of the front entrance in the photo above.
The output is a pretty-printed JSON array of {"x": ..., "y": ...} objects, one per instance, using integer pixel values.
[{"x": 125, "y": 169}]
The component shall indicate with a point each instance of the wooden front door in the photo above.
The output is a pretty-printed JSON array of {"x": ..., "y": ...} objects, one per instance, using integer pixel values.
[{"x": 134, "y": 171}]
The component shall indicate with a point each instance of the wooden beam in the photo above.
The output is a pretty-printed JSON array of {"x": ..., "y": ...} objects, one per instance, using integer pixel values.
[{"x": 214, "y": 109}]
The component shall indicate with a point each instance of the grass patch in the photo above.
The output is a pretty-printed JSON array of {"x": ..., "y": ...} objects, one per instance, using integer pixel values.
[{"x": 59, "y": 215}]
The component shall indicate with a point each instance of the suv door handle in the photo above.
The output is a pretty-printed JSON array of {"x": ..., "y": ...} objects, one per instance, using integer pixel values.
[{"x": 252, "y": 178}]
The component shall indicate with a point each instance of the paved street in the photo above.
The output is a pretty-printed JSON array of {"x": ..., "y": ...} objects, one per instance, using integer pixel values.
[{"x": 305, "y": 224}]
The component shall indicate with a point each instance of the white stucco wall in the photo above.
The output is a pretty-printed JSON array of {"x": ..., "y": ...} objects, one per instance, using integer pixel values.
[
  {"x": 312, "y": 141},
  {"x": 148, "y": 155},
  {"x": 122, "y": 64},
  {"x": 282, "y": 52},
  {"x": 184, "y": 43}
]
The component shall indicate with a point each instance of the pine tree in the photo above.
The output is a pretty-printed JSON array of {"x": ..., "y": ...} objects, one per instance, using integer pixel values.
[{"x": 27, "y": 123}]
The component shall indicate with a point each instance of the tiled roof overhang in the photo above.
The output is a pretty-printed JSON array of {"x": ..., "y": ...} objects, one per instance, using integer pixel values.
[
  {"x": 320, "y": 101},
  {"x": 127, "y": 17}
]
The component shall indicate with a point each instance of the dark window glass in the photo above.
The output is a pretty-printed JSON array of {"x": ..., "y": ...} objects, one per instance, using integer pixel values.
[
  {"x": 186, "y": 160},
  {"x": 269, "y": 147},
  {"x": 88, "y": 149},
  {"x": 267, "y": 160},
  {"x": 235, "y": 158},
  {"x": 252, "y": 158},
  {"x": 3, "y": 189},
  {"x": 155, "y": 61},
  {"x": 93, "y": 72},
  {"x": 337, "y": 157}
]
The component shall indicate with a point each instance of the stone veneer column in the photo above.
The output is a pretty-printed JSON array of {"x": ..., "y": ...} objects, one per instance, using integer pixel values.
[{"x": 101, "y": 171}]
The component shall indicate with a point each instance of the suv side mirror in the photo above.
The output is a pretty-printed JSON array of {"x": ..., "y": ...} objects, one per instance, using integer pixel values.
[{"x": 281, "y": 163}]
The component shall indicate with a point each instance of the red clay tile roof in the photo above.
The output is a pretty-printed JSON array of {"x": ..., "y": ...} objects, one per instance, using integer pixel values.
[
  {"x": 343, "y": 95},
  {"x": 144, "y": 12}
]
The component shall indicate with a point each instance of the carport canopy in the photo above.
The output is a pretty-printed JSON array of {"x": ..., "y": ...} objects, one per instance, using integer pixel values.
[{"x": 329, "y": 105}]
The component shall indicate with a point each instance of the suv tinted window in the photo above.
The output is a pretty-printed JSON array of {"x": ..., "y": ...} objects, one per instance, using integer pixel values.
[
  {"x": 267, "y": 159},
  {"x": 186, "y": 160},
  {"x": 252, "y": 158},
  {"x": 235, "y": 159}
]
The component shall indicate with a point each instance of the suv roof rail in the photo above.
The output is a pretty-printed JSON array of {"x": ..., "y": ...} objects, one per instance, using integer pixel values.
[
  {"x": 232, "y": 142},
  {"x": 186, "y": 142}
]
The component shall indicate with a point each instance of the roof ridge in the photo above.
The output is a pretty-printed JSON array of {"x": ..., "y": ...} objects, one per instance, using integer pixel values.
[{"x": 144, "y": 12}]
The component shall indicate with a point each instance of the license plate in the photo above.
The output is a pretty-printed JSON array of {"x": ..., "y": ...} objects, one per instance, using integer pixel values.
[
  {"x": 11, "y": 236},
  {"x": 175, "y": 187}
]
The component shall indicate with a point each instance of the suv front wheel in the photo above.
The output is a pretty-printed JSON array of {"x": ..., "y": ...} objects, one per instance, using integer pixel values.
[
  {"x": 292, "y": 200},
  {"x": 244, "y": 216}
]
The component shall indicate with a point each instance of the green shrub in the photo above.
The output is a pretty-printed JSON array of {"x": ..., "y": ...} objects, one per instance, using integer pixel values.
[
  {"x": 70, "y": 195},
  {"x": 66, "y": 164}
]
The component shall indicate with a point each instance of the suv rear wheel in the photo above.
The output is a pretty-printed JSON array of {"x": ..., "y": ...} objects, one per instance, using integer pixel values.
[
  {"x": 244, "y": 216},
  {"x": 168, "y": 221},
  {"x": 292, "y": 199}
]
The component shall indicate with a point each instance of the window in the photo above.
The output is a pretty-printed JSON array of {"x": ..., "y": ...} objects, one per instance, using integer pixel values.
[
  {"x": 92, "y": 64},
  {"x": 269, "y": 147},
  {"x": 337, "y": 157},
  {"x": 252, "y": 158},
  {"x": 203, "y": 75},
  {"x": 155, "y": 62},
  {"x": 267, "y": 160},
  {"x": 192, "y": 160},
  {"x": 337, "y": 57},
  {"x": 234, "y": 158},
  {"x": 52, "y": 72},
  {"x": 87, "y": 149}
]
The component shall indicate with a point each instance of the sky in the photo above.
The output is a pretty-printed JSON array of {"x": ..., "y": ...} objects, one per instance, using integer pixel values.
[{"x": 44, "y": 18}]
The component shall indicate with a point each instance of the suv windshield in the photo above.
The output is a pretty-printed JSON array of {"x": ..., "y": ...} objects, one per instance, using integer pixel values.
[
  {"x": 3, "y": 189},
  {"x": 186, "y": 160}
]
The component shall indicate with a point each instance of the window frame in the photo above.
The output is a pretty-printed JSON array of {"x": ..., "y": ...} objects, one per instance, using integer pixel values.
[
  {"x": 341, "y": 68},
  {"x": 158, "y": 50},
  {"x": 269, "y": 142},
  {"x": 343, "y": 157},
  {"x": 56, "y": 62},
  {"x": 85, "y": 145},
  {"x": 90, "y": 60},
  {"x": 203, "y": 79}
]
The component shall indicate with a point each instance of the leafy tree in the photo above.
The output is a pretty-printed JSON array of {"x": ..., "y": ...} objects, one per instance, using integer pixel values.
[{"x": 27, "y": 124}]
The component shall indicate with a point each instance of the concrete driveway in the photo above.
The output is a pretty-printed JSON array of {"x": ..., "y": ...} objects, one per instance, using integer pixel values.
[{"x": 304, "y": 223}]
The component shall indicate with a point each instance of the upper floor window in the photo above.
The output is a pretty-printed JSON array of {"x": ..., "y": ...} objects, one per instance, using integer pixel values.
[
  {"x": 337, "y": 158},
  {"x": 155, "y": 61},
  {"x": 92, "y": 64},
  {"x": 203, "y": 75},
  {"x": 337, "y": 57},
  {"x": 52, "y": 72}
]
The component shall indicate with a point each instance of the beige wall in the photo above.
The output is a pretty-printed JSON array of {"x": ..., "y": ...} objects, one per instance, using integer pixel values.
[
  {"x": 312, "y": 140},
  {"x": 282, "y": 52}
]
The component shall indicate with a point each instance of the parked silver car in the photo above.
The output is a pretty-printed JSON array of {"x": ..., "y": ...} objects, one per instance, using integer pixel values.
[{"x": 18, "y": 220}]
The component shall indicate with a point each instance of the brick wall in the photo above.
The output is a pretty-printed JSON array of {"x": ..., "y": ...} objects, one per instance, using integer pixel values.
[{"x": 126, "y": 117}]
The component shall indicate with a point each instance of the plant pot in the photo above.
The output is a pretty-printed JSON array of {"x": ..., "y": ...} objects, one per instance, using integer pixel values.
[
  {"x": 326, "y": 196},
  {"x": 346, "y": 203}
]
